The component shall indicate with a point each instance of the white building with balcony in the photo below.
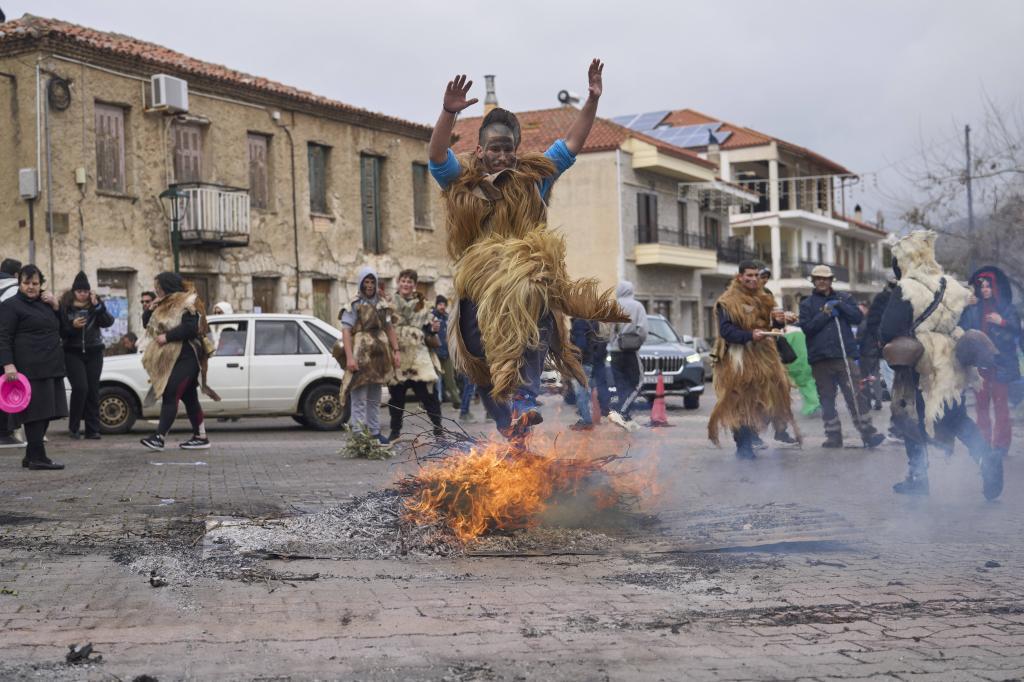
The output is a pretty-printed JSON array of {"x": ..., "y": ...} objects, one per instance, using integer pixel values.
[{"x": 796, "y": 219}]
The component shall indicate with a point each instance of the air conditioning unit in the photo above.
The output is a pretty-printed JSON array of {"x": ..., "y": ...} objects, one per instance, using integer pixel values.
[{"x": 169, "y": 93}]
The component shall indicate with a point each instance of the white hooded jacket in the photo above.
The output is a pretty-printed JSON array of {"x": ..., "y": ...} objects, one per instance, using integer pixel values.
[{"x": 636, "y": 312}]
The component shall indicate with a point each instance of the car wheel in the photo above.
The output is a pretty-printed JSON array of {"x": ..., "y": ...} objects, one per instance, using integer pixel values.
[
  {"x": 117, "y": 410},
  {"x": 691, "y": 402},
  {"x": 321, "y": 409}
]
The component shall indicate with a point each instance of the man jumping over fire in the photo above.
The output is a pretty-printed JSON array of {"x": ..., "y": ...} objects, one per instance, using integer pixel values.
[{"x": 514, "y": 293}]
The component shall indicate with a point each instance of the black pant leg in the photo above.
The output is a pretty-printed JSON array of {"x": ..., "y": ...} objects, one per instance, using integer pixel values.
[
  {"x": 35, "y": 449},
  {"x": 194, "y": 410},
  {"x": 184, "y": 373},
  {"x": 93, "y": 370},
  {"x": 78, "y": 377},
  {"x": 824, "y": 379},
  {"x": 396, "y": 405},
  {"x": 428, "y": 397}
]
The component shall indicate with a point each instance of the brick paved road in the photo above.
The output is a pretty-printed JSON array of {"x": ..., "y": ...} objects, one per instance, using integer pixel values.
[{"x": 907, "y": 596}]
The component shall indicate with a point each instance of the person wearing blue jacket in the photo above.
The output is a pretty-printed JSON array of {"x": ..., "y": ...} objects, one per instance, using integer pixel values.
[{"x": 826, "y": 317}]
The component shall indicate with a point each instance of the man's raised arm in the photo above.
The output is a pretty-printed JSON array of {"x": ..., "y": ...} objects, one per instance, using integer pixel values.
[
  {"x": 577, "y": 135},
  {"x": 454, "y": 102}
]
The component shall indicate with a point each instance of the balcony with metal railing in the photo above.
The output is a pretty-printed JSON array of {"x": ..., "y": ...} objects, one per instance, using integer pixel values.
[
  {"x": 659, "y": 245},
  {"x": 212, "y": 215},
  {"x": 802, "y": 270}
]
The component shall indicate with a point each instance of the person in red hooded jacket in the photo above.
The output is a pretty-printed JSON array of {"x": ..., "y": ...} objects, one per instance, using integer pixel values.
[{"x": 992, "y": 312}]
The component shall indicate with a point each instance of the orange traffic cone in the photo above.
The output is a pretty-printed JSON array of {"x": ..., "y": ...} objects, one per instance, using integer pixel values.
[
  {"x": 595, "y": 407},
  {"x": 659, "y": 417}
]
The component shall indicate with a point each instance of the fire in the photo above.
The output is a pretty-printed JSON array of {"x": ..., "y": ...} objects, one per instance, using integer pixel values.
[{"x": 497, "y": 486}]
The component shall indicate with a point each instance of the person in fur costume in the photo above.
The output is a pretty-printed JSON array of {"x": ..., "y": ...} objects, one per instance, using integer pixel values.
[
  {"x": 750, "y": 380},
  {"x": 371, "y": 353},
  {"x": 176, "y": 359},
  {"x": 992, "y": 312},
  {"x": 413, "y": 325},
  {"x": 514, "y": 292},
  {"x": 928, "y": 398}
]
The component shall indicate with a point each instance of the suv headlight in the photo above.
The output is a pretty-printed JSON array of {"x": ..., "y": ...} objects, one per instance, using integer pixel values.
[{"x": 692, "y": 359}]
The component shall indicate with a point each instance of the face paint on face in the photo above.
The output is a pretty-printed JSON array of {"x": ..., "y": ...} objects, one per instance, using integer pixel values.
[
  {"x": 498, "y": 150},
  {"x": 369, "y": 286}
]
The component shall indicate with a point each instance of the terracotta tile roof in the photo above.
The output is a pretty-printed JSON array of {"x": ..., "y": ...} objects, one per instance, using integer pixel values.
[
  {"x": 33, "y": 29},
  {"x": 541, "y": 127},
  {"x": 868, "y": 227},
  {"x": 745, "y": 137}
]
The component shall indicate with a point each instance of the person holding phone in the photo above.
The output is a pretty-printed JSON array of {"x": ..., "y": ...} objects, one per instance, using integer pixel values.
[{"x": 82, "y": 316}]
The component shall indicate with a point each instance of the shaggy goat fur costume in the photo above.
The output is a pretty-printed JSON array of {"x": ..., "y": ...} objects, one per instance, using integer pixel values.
[
  {"x": 371, "y": 347},
  {"x": 750, "y": 380},
  {"x": 513, "y": 268},
  {"x": 158, "y": 360},
  {"x": 942, "y": 378},
  {"x": 409, "y": 319}
]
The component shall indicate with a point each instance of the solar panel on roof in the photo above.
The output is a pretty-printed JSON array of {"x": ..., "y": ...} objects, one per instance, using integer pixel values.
[
  {"x": 641, "y": 122},
  {"x": 626, "y": 120}
]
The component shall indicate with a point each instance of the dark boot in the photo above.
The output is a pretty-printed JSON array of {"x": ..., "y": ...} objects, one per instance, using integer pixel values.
[
  {"x": 873, "y": 439},
  {"x": 912, "y": 485},
  {"x": 992, "y": 474},
  {"x": 916, "y": 482},
  {"x": 784, "y": 437},
  {"x": 36, "y": 459},
  {"x": 745, "y": 451},
  {"x": 833, "y": 440}
]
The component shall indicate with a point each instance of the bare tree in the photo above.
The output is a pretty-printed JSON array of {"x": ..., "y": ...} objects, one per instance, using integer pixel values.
[{"x": 938, "y": 179}]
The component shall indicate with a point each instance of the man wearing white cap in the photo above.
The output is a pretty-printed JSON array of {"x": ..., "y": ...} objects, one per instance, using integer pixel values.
[{"x": 826, "y": 317}]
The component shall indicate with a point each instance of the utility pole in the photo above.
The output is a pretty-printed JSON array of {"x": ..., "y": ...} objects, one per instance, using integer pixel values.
[{"x": 970, "y": 203}]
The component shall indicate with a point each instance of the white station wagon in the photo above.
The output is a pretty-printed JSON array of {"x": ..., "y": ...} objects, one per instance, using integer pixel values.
[{"x": 265, "y": 365}]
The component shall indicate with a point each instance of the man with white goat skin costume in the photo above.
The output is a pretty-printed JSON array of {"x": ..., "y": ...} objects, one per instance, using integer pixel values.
[{"x": 928, "y": 398}]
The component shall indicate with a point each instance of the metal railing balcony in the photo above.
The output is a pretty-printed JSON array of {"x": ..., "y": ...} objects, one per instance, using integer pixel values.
[
  {"x": 650, "y": 234},
  {"x": 735, "y": 252},
  {"x": 802, "y": 270},
  {"x": 809, "y": 193},
  {"x": 212, "y": 215}
]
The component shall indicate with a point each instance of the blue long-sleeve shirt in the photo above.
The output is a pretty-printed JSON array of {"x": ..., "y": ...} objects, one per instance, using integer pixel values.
[{"x": 447, "y": 172}]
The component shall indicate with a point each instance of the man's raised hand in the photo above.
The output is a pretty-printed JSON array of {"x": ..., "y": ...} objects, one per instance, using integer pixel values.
[
  {"x": 594, "y": 78},
  {"x": 455, "y": 95}
]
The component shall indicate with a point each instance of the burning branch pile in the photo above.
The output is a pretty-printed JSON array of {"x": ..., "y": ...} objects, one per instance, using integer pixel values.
[{"x": 498, "y": 486}]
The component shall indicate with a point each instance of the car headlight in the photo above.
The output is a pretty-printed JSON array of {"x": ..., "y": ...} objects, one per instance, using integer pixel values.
[{"x": 691, "y": 359}]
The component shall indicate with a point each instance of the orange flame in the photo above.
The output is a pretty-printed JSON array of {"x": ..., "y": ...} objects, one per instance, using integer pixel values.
[{"x": 498, "y": 486}]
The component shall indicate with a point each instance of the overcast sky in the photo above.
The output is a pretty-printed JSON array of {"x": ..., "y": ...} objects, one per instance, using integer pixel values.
[{"x": 861, "y": 82}]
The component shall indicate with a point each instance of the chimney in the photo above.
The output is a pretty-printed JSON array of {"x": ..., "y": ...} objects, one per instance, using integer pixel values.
[
  {"x": 490, "y": 99},
  {"x": 713, "y": 149},
  {"x": 858, "y": 214}
]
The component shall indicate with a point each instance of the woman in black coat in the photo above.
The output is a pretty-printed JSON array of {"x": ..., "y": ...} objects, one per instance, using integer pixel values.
[
  {"x": 82, "y": 316},
  {"x": 30, "y": 343}
]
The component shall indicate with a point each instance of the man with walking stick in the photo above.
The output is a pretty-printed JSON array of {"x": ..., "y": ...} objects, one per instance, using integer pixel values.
[{"x": 826, "y": 316}]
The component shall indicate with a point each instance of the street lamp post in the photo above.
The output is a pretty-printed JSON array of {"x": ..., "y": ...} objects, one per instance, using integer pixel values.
[{"x": 173, "y": 194}]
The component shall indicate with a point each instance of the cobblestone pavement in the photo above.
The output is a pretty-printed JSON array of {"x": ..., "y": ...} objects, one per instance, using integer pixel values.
[{"x": 872, "y": 585}]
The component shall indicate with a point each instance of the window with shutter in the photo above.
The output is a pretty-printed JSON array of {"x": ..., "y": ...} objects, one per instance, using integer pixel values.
[
  {"x": 110, "y": 175},
  {"x": 259, "y": 171},
  {"x": 318, "y": 178},
  {"x": 369, "y": 182},
  {"x": 420, "y": 195},
  {"x": 188, "y": 153}
]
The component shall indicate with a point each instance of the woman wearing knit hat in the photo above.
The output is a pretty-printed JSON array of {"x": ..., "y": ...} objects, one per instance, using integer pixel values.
[{"x": 82, "y": 316}]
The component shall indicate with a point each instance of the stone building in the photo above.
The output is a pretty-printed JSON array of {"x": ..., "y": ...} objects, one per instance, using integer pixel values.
[{"x": 282, "y": 194}]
